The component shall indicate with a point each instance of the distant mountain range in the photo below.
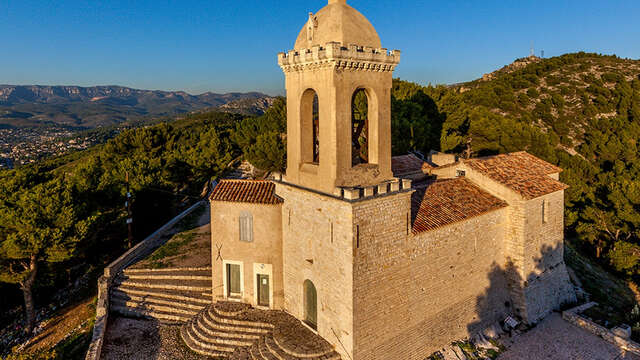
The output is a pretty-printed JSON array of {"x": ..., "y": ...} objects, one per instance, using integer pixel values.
[{"x": 90, "y": 107}]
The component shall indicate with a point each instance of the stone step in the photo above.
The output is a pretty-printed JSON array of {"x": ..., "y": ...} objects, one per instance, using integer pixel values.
[
  {"x": 145, "y": 306},
  {"x": 218, "y": 341},
  {"x": 168, "y": 270},
  {"x": 273, "y": 344},
  {"x": 185, "y": 303},
  {"x": 215, "y": 315},
  {"x": 193, "y": 286},
  {"x": 215, "y": 332},
  {"x": 265, "y": 352},
  {"x": 255, "y": 353},
  {"x": 216, "y": 325},
  {"x": 198, "y": 349},
  {"x": 274, "y": 349},
  {"x": 222, "y": 308},
  {"x": 190, "y": 297},
  {"x": 153, "y": 277},
  {"x": 173, "y": 318},
  {"x": 204, "y": 344}
]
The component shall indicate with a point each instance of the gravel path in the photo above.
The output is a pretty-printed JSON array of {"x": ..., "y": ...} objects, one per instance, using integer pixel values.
[
  {"x": 133, "y": 339},
  {"x": 556, "y": 339}
]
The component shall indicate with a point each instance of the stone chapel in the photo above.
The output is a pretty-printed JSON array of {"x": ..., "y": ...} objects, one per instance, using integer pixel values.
[{"x": 384, "y": 257}]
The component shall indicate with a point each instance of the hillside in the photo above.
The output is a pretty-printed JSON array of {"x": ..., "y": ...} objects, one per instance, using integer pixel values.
[
  {"x": 90, "y": 107},
  {"x": 580, "y": 111}
]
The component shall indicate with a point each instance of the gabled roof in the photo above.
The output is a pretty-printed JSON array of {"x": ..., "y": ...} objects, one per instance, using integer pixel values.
[
  {"x": 521, "y": 172},
  {"x": 408, "y": 164},
  {"x": 246, "y": 191},
  {"x": 442, "y": 202}
]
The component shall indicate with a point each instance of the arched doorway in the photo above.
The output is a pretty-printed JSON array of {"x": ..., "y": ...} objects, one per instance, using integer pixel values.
[{"x": 310, "y": 304}]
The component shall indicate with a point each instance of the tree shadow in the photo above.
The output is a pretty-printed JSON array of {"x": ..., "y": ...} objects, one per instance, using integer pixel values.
[{"x": 526, "y": 298}]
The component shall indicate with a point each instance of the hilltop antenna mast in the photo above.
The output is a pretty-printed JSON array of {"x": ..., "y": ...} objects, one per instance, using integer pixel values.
[
  {"x": 542, "y": 54},
  {"x": 533, "y": 51}
]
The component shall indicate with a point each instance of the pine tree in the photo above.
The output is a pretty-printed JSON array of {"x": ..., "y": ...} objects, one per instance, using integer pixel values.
[{"x": 38, "y": 225}]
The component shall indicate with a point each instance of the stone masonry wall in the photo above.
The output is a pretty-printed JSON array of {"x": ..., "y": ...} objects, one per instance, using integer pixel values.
[
  {"x": 537, "y": 274},
  {"x": 266, "y": 247},
  {"x": 415, "y": 294},
  {"x": 317, "y": 246},
  {"x": 546, "y": 283}
]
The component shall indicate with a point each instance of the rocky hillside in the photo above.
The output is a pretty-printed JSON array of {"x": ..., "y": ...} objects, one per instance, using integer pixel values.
[
  {"x": 564, "y": 95},
  {"x": 108, "y": 105}
]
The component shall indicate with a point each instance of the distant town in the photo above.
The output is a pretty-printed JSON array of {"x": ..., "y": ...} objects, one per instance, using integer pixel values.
[{"x": 22, "y": 146}]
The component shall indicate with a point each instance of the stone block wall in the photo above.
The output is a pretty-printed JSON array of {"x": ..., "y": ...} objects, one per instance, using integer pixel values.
[
  {"x": 534, "y": 247},
  {"x": 265, "y": 250},
  {"x": 416, "y": 293},
  {"x": 318, "y": 246}
]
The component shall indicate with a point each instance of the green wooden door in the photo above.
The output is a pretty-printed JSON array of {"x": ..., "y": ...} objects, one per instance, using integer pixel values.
[
  {"x": 263, "y": 290},
  {"x": 233, "y": 280},
  {"x": 310, "y": 304}
]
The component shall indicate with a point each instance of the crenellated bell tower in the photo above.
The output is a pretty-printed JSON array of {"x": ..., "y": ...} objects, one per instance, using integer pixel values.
[{"x": 338, "y": 82}]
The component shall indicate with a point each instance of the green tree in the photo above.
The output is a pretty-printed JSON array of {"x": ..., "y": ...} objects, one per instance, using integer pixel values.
[
  {"x": 263, "y": 139},
  {"x": 41, "y": 224}
]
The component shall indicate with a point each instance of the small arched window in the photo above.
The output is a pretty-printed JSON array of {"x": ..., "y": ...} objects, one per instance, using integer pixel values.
[
  {"x": 246, "y": 226},
  {"x": 359, "y": 128}
]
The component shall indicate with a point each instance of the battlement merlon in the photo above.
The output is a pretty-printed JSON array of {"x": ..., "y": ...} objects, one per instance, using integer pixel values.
[{"x": 334, "y": 54}]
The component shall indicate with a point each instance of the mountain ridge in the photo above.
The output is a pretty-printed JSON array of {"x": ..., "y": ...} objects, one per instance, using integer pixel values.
[{"x": 104, "y": 105}]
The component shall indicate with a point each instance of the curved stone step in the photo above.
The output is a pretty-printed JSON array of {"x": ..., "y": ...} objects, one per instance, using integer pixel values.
[
  {"x": 213, "y": 332},
  {"x": 272, "y": 342},
  {"x": 218, "y": 341},
  {"x": 214, "y": 324},
  {"x": 214, "y": 314},
  {"x": 167, "y": 317},
  {"x": 190, "y": 297},
  {"x": 203, "y": 343},
  {"x": 122, "y": 296},
  {"x": 196, "y": 348},
  {"x": 275, "y": 350},
  {"x": 255, "y": 353},
  {"x": 264, "y": 351}
]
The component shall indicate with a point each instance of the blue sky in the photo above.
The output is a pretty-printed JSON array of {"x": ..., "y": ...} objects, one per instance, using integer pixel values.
[{"x": 231, "y": 45}]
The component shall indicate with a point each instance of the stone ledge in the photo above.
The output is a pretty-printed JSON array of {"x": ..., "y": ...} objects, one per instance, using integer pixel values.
[{"x": 573, "y": 316}]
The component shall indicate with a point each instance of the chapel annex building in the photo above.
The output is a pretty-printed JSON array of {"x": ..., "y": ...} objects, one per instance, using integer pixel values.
[{"x": 384, "y": 257}]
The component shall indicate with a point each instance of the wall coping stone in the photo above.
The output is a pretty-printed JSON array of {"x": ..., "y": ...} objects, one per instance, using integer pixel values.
[{"x": 573, "y": 316}]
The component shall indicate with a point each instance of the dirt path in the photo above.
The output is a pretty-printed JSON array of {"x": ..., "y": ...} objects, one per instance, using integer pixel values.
[
  {"x": 133, "y": 339},
  {"x": 556, "y": 339}
]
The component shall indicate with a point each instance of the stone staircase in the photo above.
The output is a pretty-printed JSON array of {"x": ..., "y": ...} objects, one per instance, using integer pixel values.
[
  {"x": 220, "y": 332},
  {"x": 167, "y": 295}
]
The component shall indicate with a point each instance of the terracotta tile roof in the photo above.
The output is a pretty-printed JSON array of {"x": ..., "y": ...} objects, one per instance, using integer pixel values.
[
  {"x": 521, "y": 172},
  {"x": 442, "y": 202},
  {"x": 247, "y": 191},
  {"x": 408, "y": 164}
]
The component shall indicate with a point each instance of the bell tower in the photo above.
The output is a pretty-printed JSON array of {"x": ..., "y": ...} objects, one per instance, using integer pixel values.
[{"x": 338, "y": 83}]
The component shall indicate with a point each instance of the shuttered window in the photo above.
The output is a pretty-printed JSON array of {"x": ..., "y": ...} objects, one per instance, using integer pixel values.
[{"x": 246, "y": 226}]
